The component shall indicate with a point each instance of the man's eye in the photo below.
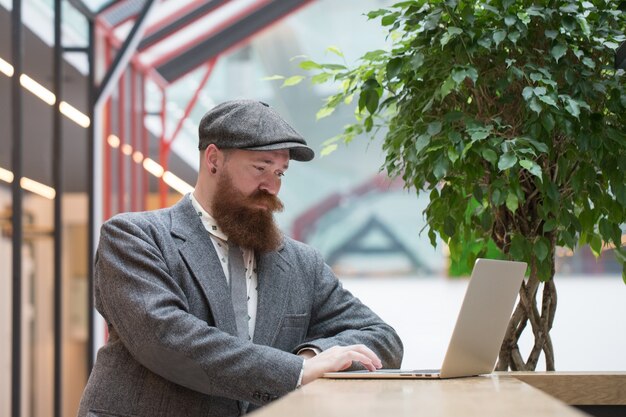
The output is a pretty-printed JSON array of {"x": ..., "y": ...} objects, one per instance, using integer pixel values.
[
  {"x": 280, "y": 174},
  {"x": 260, "y": 169}
]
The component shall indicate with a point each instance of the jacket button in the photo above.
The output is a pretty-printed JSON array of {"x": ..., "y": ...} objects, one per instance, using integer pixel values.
[
  {"x": 266, "y": 397},
  {"x": 256, "y": 395}
]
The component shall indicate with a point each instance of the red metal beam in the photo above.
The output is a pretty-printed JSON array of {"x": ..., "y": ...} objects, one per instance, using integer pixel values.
[
  {"x": 145, "y": 150},
  {"x": 304, "y": 223},
  {"x": 107, "y": 149},
  {"x": 191, "y": 104},
  {"x": 163, "y": 153},
  {"x": 133, "y": 139},
  {"x": 121, "y": 160}
]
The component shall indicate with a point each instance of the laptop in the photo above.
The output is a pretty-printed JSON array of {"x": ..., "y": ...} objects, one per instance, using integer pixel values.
[{"x": 479, "y": 330}]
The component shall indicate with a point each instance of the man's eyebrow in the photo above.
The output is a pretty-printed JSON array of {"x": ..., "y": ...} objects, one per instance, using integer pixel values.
[{"x": 270, "y": 162}]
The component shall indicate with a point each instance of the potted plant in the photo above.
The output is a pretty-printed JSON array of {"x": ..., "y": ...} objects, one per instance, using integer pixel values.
[{"x": 512, "y": 115}]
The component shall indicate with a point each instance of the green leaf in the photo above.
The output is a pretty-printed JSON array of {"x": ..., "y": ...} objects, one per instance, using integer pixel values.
[
  {"x": 394, "y": 66},
  {"x": 479, "y": 134},
  {"x": 584, "y": 25},
  {"x": 589, "y": 62},
  {"x": 320, "y": 78},
  {"x": 309, "y": 65},
  {"x": 434, "y": 128},
  {"x": 512, "y": 202},
  {"x": 453, "y": 155},
  {"x": 447, "y": 86},
  {"x": 459, "y": 75},
  {"x": 273, "y": 77},
  {"x": 541, "y": 249},
  {"x": 472, "y": 73},
  {"x": 532, "y": 167},
  {"x": 596, "y": 245},
  {"x": 510, "y": 20},
  {"x": 569, "y": 8},
  {"x": 324, "y": 112},
  {"x": 507, "y": 160},
  {"x": 369, "y": 99},
  {"x": 518, "y": 248},
  {"x": 449, "y": 226},
  {"x": 549, "y": 101},
  {"x": 390, "y": 19},
  {"x": 572, "y": 107},
  {"x": 368, "y": 123},
  {"x": 417, "y": 60},
  {"x": 327, "y": 150},
  {"x": 535, "y": 106},
  {"x": 547, "y": 121},
  {"x": 551, "y": 34},
  {"x": 490, "y": 155},
  {"x": 376, "y": 55},
  {"x": 335, "y": 50},
  {"x": 496, "y": 197},
  {"x": 334, "y": 67},
  {"x": 514, "y": 36},
  {"x": 498, "y": 36},
  {"x": 558, "y": 51},
  {"x": 441, "y": 167},
  {"x": 485, "y": 42},
  {"x": 549, "y": 225},
  {"x": 527, "y": 93},
  {"x": 293, "y": 80},
  {"x": 421, "y": 142},
  {"x": 507, "y": 3}
]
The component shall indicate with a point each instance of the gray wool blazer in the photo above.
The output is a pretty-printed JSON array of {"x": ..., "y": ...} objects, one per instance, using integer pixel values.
[{"x": 172, "y": 348}]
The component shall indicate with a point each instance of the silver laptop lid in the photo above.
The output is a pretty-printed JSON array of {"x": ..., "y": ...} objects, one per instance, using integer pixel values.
[{"x": 483, "y": 318}]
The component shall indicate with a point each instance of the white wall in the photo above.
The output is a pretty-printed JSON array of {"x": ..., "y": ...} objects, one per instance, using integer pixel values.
[{"x": 588, "y": 332}]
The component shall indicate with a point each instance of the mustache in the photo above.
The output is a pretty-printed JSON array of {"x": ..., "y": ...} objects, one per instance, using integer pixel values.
[{"x": 266, "y": 199}]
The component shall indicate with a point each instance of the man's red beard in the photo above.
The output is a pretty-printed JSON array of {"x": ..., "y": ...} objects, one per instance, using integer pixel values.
[{"x": 242, "y": 221}]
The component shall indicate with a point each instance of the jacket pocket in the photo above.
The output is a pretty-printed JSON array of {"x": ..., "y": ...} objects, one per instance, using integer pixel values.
[{"x": 292, "y": 331}]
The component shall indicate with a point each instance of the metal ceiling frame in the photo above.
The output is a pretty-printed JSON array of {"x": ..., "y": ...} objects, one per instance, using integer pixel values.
[
  {"x": 171, "y": 24},
  {"x": 232, "y": 34}
]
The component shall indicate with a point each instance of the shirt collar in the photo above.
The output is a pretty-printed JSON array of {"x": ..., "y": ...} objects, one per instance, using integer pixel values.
[{"x": 207, "y": 220}]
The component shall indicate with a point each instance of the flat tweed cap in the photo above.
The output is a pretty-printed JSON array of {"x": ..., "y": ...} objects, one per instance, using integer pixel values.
[{"x": 252, "y": 125}]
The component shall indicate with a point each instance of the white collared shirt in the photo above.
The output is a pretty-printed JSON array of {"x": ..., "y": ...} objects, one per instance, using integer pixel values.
[{"x": 220, "y": 243}]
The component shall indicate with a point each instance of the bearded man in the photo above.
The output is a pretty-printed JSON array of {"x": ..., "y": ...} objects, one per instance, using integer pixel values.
[{"x": 211, "y": 310}]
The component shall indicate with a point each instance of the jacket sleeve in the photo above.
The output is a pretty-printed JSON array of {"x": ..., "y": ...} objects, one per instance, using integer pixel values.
[
  {"x": 340, "y": 319},
  {"x": 139, "y": 298}
]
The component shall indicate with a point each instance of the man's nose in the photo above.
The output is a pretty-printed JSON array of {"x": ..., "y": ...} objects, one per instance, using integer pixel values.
[{"x": 271, "y": 184}]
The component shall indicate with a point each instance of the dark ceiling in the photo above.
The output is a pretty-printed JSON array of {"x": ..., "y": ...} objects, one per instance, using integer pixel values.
[{"x": 37, "y": 118}]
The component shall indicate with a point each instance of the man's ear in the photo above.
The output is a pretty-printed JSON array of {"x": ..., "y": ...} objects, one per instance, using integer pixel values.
[{"x": 212, "y": 158}]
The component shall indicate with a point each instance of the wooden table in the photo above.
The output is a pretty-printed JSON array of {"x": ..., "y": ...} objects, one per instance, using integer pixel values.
[{"x": 500, "y": 394}]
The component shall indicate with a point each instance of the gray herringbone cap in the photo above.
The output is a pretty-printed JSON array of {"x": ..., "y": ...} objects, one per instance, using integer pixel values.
[{"x": 252, "y": 125}]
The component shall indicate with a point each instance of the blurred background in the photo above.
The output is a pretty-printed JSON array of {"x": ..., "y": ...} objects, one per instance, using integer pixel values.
[{"x": 366, "y": 225}]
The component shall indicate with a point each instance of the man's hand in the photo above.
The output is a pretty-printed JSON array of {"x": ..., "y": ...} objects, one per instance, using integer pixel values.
[{"x": 336, "y": 359}]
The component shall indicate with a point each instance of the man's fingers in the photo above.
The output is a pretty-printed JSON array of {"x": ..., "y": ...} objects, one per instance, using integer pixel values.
[
  {"x": 339, "y": 358},
  {"x": 366, "y": 356},
  {"x": 369, "y": 353},
  {"x": 344, "y": 360}
]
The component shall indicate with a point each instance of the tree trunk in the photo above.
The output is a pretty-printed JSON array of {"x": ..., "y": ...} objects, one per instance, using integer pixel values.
[{"x": 540, "y": 321}]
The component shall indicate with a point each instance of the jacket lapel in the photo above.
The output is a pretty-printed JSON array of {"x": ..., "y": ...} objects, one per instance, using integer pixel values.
[
  {"x": 198, "y": 252},
  {"x": 273, "y": 279}
]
